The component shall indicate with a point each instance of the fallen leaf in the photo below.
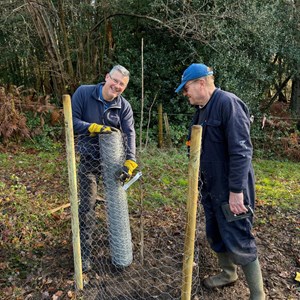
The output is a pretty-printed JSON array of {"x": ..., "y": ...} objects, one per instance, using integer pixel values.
[
  {"x": 70, "y": 294},
  {"x": 297, "y": 278}
]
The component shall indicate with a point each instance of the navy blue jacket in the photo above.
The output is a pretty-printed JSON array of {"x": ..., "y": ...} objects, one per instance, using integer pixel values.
[
  {"x": 226, "y": 147},
  {"x": 87, "y": 108}
]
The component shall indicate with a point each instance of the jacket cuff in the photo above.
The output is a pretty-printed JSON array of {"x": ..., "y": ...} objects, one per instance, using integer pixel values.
[
  {"x": 131, "y": 157},
  {"x": 236, "y": 191}
]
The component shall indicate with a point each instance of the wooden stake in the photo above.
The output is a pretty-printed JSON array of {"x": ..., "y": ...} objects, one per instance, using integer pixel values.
[
  {"x": 160, "y": 125},
  {"x": 189, "y": 243},
  {"x": 73, "y": 190},
  {"x": 142, "y": 98},
  {"x": 168, "y": 131}
]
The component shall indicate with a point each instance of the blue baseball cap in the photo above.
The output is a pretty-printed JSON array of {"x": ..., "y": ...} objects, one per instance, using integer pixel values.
[{"x": 194, "y": 71}]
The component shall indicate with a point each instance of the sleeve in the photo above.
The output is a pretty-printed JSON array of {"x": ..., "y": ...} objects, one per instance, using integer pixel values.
[
  {"x": 240, "y": 150},
  {"x": 78, "y": 107},
  {"x": 127, "y": 125}
]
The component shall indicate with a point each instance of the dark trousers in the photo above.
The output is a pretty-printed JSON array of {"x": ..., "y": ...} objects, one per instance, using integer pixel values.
[
  {"x": 89, "y": 173},
  {"x": 235, "y": 237}
]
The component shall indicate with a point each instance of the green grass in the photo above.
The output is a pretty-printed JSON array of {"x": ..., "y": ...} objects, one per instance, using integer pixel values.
[
  {"x": 30, "y": 185},
  {"x": 33, "y": 182},
  {"x": 164, "y": 180},
  {"x": 278, "y": 183}
]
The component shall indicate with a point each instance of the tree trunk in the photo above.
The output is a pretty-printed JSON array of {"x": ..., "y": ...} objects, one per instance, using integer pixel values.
[
  {"x": 47, "y": 33},
  {"x": 278, "y": 91},
  {"x": 65, "y": 39},
  {"x": 295, "y": 98}
]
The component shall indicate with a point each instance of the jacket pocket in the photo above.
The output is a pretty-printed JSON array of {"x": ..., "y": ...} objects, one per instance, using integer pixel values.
[{"x": 215, "y": 131}]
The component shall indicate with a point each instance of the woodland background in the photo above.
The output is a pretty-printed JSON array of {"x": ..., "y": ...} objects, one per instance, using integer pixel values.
[{"x": 48, "y": 48}]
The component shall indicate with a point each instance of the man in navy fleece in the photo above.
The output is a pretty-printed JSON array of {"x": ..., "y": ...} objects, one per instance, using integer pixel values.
[{"x": 99, "y": 109}]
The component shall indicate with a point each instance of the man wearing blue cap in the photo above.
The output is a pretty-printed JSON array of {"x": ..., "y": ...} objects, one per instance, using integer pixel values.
[{"x": 227, "y": 177}]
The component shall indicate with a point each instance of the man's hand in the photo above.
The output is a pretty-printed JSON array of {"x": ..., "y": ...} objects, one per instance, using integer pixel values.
[
  {"x": 130, "y": 165},
  {"x": 236, "y": 202},
  {"x": 126, "y": 171},
  {"x": 97, "y": 128}
]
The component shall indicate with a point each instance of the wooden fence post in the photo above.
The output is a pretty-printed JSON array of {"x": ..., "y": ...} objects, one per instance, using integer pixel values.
[
  {"x": 73, "y": 190},
  {"x": 193, "y": 194},
  {"x": 160, "y": 125},
  {"x": 168, "y": 131}
]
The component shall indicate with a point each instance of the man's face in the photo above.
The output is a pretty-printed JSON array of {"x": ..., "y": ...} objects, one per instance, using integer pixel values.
[
  {"x": 194, "y": 90},
  {"x": 115, "y": 84}
]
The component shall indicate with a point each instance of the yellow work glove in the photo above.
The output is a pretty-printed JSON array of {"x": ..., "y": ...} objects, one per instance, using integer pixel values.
[
  {"x": 97, "y": 128},
  {"x": 126, "y": 172},
  {"x": 130, "y": 165}
]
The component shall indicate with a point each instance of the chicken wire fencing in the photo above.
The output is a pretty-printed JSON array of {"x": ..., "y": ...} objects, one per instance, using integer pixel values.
[{"x": 129, "y": 250}]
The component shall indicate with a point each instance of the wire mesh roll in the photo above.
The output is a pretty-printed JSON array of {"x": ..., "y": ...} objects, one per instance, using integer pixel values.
[{"x": 113, "y": 154}]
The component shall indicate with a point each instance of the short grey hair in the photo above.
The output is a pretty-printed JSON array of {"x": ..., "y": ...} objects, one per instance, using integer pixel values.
[{"x": 120, "y": 69}]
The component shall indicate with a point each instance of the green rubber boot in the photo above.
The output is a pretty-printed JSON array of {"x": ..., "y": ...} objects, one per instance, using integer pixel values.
[
  {"x": 226, "y": 277},
  {"x": 254, "y": 279}
]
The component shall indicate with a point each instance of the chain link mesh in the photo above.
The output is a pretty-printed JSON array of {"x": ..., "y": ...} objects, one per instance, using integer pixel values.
[{"x": 134, "y": 249}]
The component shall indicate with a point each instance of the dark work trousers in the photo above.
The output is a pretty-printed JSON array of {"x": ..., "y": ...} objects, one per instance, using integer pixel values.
[
  {"x": 235, "y": 237},
  {"x": 89, "y": 174}
]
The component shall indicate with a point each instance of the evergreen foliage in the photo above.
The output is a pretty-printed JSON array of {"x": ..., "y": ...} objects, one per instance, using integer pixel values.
[{"x": 253, "y": 46}]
